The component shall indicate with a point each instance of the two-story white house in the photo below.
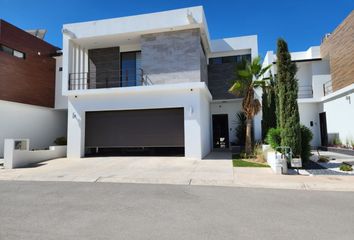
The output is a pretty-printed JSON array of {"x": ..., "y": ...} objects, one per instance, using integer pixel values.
[
  {"x": 151, "y": 84},
  {"x": 312, "y": 73}
]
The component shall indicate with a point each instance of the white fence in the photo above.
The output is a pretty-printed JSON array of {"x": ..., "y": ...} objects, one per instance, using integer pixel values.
[{"x": 17, "y": 153}]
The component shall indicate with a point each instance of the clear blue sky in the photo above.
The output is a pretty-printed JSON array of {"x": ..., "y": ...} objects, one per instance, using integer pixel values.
[{"x": 301, "y": 22}]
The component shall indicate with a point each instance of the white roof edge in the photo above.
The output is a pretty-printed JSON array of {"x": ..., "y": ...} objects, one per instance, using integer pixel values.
[
  {"x": 312, "y": 52},
  {"x": 234, "y": 43},
  {"x": 134, "y": 16}
]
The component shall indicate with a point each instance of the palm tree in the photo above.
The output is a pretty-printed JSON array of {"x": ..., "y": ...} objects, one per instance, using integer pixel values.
[{"x": 245, "y": 82}]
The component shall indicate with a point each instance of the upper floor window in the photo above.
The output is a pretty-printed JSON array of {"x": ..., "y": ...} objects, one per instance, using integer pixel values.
[
  {"x": 12, "y": 52},
  {"x": 230, "y": 59}
]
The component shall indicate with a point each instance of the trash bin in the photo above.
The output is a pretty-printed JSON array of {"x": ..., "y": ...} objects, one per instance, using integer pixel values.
[
  {"x": 285, "y": 155},
  {"x": 284, "y": 165},
  {"x": 281, "y": 163}
]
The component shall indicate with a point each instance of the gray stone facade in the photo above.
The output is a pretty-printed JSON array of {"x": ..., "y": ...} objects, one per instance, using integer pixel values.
[
  {"x": 220, "y": 79},
  {"x": 172, "y": 57},
  {"x": 104, "y": 67}
]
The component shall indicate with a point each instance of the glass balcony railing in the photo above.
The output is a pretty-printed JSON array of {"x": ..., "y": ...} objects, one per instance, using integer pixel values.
[{"x": 107, "y": 79}]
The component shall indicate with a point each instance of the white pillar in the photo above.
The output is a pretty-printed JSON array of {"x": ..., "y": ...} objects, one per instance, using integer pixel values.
[
  {"x": 76, "y": 131},
  {"x": 192, "y": 128},
  {"x": 67, "y": 61}
]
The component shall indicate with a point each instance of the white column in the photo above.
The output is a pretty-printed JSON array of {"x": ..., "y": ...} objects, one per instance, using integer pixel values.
[
  {"x": 67, "y": 61},
  {"x": 76, "y": 131},
  {"x": 77, "y": 66},
  {"x": 82, "y": 71},
  {"x": 85, "y": 66},
  {"x": 192, "y": 128}
]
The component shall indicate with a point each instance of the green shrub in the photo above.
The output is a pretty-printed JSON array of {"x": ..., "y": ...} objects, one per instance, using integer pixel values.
[
  {"x": 60, "y": 141},
  {"x": 273, "y": 137},
  {"x": 346, "y": 167},
  {"x": 306, "y": 137},
  {"x": 337, "y": 141},
  {"x": 323, "y": 159}
]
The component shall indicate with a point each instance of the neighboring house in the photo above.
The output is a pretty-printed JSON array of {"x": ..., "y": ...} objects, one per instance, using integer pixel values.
[
  {"x": 338, "y": 103},
  {"x": 326, "y": 85},
  {"x": 27, "y": 88},
  {"x": 153, "y": 81}
]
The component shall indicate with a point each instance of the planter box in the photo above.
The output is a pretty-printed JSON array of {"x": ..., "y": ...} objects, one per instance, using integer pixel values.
[
  {"x": 274, "y": 160},
  {"x": 17, "y": 153}
]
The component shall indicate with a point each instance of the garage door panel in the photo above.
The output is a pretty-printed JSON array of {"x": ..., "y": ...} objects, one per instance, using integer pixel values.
[{"x": 135, "y": 128}]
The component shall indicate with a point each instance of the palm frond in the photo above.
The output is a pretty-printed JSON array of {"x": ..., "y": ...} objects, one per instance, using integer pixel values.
[
  {"x": 264, "y": 70},
  {"x": 236, "y": 88}
]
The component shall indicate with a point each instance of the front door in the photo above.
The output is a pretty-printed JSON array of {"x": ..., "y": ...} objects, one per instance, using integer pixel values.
[
  {"x": 323, "y": 129},
  {"x": 220, "y": 131}
]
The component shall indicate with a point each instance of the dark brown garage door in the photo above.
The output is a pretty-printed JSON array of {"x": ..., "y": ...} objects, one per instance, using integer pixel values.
[{"x": 135, "y": 128}]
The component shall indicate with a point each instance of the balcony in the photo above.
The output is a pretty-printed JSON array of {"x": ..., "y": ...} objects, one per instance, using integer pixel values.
[
  {"x": 305, "y": 92},
  {"x": 327, "y": 88},
  {"x": 108, "y": 79}
]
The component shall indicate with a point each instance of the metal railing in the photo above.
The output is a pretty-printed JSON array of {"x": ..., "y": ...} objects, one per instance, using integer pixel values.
[
  {"x": 108, "y": 79},
  {"x": 305, "y": 92},
  {"x": 327, "y": 88}
]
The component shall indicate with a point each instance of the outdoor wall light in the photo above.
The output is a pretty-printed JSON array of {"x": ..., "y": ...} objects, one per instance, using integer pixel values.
[
  {"x": 348, "y": 98},
  {"x": 190, "y": 111},
  {"x": 74, "y": 116}
]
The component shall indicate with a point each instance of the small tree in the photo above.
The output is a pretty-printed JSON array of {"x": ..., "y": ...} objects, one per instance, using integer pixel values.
[
  {"x": 246, "y": 80},
  {"x": 287, "y": 87},
  {"x": 269, "y": 117},
  {"x": 240, "y": 130}
]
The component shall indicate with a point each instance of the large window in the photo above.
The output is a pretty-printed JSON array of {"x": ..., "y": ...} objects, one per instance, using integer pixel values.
[
  {"x": 230, "y": 59},
  {"x": 12, "y": 52},
  {"x": 130, "y": 63}
]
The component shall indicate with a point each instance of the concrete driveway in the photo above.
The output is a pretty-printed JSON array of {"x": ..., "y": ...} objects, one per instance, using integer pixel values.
[{"x": 216, "y": 170}]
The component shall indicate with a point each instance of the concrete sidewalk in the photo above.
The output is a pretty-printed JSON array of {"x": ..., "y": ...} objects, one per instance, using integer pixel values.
[{"x": 172, "y": 170}]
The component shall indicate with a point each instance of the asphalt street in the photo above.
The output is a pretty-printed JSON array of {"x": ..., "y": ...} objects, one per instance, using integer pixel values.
[{"x": 68, "y": 210}]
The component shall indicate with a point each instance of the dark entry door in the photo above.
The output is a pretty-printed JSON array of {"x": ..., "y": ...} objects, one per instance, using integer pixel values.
[
  {"x": 220, "y": 131},
  {"x": 323, "y": 129}
]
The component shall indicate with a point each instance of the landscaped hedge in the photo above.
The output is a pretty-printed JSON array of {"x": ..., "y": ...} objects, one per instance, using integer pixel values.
[
  {"x": 306, "y": 137},
  {"x": 273, "y": 137}
]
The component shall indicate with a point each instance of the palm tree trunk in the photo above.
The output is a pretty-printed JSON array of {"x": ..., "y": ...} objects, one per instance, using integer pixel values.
[{"x": 248, "y": 144}]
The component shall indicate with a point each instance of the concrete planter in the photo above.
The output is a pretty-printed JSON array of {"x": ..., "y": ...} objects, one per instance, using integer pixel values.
[
  {"x": 17, "y": 153},
  {"x": 278, "y": 165}
]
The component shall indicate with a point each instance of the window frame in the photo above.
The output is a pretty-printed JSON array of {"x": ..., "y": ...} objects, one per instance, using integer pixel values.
[{"x": 13, "y": 52}]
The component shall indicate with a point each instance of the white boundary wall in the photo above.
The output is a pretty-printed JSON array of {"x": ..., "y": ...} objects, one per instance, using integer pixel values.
[
  {"x": 40, "y": 124},
  {"x": 340, "y": 116},
  {"x": 15, "y": 158}
]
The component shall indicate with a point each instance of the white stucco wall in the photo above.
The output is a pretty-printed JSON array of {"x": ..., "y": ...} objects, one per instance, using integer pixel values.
[
  {"x": 61, "y": 102},
  {"x": 194, "y": 98},
  {"x": 231, "y": 108},
  {"x": 340, "y": 116},
  {"x": 310, "y": 112},
  {"x": 15, "y": 158},
  {"x": 39, "y": 124},
  {"x": 205, "y": 125}
]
